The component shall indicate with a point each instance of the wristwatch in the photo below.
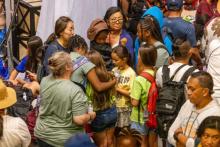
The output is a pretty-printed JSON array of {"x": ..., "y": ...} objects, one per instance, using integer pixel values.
[{"x": 175, "y": 135}]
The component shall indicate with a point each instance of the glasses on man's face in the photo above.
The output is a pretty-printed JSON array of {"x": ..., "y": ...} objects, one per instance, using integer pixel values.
[{"x": 116, "y": 20}]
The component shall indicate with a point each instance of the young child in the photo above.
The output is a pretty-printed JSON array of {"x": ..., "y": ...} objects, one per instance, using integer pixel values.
[
  {"x": 29, "y": 64},
  {"x": 103, "y": 125},
  {"x": 125, "y": 74},
  {"x": 149, "y": 32},
  {"x": 146, "y": 61}
]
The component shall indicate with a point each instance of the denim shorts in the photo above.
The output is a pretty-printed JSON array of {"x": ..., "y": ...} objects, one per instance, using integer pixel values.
[
  {"x": 104, "y": 119},
  {"x": 141, "y": 128}
]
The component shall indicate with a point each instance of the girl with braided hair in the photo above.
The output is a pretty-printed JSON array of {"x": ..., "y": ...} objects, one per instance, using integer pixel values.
[
  {"x": 149, "y": 33},
  {"x": 84, "y": 70}
]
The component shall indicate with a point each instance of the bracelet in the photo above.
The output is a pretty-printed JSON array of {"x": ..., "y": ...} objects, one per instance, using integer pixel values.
[{"x": 175, "y": 135}]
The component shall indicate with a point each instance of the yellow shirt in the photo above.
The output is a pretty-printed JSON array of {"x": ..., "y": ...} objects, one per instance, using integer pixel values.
[{"x": 125, "y": 82}]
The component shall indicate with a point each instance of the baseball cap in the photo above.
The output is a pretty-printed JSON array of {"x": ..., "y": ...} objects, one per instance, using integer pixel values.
[
  {"x": 79, "y": 140},
  {"x": 174, "y": 4}
]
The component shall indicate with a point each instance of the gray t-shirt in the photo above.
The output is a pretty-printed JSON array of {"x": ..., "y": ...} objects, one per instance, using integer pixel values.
[
  {"x": 61, "y": 100},
  {"x": 79, "y": 74},
  {"x": 162, "y": 55}
]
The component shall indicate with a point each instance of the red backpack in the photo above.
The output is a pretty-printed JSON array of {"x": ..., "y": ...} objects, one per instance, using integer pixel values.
[{"x": 151, "y": 102}]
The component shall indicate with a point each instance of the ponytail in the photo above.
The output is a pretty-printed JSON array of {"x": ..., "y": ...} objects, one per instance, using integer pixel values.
[{"x": 52, "y": 37}]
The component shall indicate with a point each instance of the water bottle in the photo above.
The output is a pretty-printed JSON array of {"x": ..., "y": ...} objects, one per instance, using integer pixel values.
[
  {"x": 90, "y": 109},
  {"x": 117, "y": 74}
]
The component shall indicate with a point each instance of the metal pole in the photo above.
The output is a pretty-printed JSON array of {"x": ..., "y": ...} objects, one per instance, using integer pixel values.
[{"x": 9, "y": 6}]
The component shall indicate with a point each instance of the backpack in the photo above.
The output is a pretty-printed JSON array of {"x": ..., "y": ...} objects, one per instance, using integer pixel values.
[
  {"x": 171, "y": 98},
  {"x": 42, "y": 70},
  {"x": 151, "y": 121},
  {"x": 23, "y": 104}
]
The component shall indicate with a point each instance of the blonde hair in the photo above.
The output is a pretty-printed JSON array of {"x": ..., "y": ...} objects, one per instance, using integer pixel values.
[{"x": 58, "y": 62}]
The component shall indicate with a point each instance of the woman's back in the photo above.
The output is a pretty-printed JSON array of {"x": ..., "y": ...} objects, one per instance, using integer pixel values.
[
  {"x": 61, "y": 101},
  {"x": 15, "y": 133}
]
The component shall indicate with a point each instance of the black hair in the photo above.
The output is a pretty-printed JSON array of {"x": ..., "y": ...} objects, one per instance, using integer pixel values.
[
  {"x": 122, "y": 52},
  {"x": 181, "y": 48},
  {"x": 212, "y": 122},
  {"x": 205, "y": 80},
  {"x": 149, "y": 23},
  {"x": 35, "y": 46},
  {"x": 113, "y": 10},
  {"x": 77, "y": 41}
]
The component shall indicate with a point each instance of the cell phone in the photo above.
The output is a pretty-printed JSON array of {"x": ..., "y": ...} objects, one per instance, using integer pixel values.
[{"x": 28, "y": 72}]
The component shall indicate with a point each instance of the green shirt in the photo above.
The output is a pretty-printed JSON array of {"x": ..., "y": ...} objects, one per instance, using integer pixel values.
[
  {"x": 139, "y": 92},
  {"x": 61, "y": 100},
  {"x": 107, "y": 104},
  {"x": 79, "y": 75}
]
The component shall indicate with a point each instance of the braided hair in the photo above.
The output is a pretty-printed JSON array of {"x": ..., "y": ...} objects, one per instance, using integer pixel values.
[
  {"x": 127, "y": 132},
  {"x": 77, "y": 42},
  {"x": 149, "y": 23}
]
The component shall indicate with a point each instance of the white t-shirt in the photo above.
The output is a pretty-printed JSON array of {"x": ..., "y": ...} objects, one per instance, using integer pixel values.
[
  {"x": 189, "y": 119},
  {"x": 15, "y": 133},
  {"x": 213, "y": 65},
  {"x": 173, "y": 67}
]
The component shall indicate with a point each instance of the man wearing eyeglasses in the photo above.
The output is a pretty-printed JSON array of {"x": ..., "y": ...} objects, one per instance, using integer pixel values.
[{"x": 199, "y": 105}]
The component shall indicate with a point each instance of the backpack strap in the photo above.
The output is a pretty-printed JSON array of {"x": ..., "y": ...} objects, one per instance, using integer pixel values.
[
  {"x": 151, "y": 79},
  {"x": 148, "y": 76},
  {"x": 161, "y": 46},
  {"x": 177, "y": 70},
  {"x": 81, "y": 86},
  {"x": 166, "y": 73},
  {"x": 187, "y": 73}
]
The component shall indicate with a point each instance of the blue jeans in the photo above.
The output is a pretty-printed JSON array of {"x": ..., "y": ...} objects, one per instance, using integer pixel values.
[{"x": 104, "y": 119}]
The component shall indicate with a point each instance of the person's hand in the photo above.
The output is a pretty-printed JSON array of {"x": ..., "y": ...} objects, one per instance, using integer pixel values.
[
  {"x": 14, "y": 82},
  {"x": 92, "y": 115},
  {"x": 20, "y": 81},
  {"x": 32, "y": 76},
  {"x": 179, "y": 130}
]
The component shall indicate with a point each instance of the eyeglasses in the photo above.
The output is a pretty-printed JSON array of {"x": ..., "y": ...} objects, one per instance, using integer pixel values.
[{"x": 115, "y": 20}]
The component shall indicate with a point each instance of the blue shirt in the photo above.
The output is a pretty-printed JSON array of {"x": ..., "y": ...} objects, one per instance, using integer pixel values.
[
  {"x": 51, "y": 49},
  {"x": 21, "y": 67},
  {"x": 129, "y": 44},
  {"x": 3, "y": 70},
  {"x": 181, "y": 29}
]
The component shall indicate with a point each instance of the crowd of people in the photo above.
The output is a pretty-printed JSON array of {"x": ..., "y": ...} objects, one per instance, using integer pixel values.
[{"x": 101, "y": 94}]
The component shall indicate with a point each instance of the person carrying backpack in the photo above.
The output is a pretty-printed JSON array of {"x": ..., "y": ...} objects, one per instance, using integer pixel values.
[
  {"x": 139, "y": 94},
  {"x": 171, "y": 83}
]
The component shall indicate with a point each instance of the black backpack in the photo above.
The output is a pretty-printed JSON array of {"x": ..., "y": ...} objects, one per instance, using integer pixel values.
[
  {"x": 24, "y": 100},
  {"x": 171, "y": 98}
]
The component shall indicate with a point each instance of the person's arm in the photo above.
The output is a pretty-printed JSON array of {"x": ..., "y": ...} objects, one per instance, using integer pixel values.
[
  {"x": 177, "y": 124},
  {"x": 80, "y": 112},
  {"x": 84, "y": 119},
  {"x": 182, "y": 140},
  {"x": 135, "y": 93},
  {"x": 96, "y": 83},
  {"x": 13, "y": 75},
  {"x": 123, "y": 92},
  {"x": 134, "y": 102}
]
